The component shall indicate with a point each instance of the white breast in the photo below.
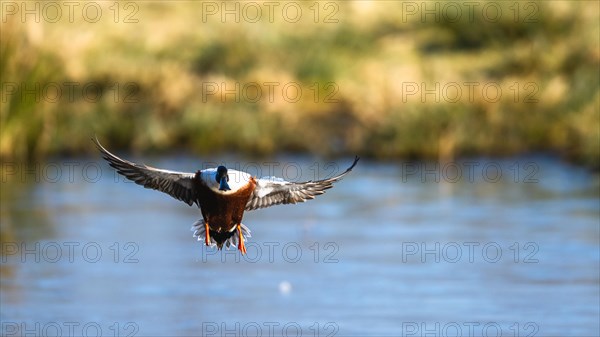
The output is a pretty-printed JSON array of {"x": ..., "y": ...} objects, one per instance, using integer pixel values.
[{"x": 237, "y": 180}]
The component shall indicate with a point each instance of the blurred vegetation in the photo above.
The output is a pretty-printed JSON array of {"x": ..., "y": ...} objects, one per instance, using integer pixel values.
[{"x": 168, "y": 80}]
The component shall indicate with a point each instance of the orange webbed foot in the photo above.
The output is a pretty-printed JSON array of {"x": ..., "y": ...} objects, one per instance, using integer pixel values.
[
  {"x": 207, "y": 236},
  {"x": 241, "y": 245}
]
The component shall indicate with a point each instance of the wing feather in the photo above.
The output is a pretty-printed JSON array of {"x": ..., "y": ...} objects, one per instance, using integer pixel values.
[
  {"x": 273, "y": 191},
  {"x": 179, "y": 185}
]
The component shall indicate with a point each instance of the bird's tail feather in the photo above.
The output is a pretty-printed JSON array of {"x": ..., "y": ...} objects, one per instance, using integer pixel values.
[{"x": 200, "y": 233}]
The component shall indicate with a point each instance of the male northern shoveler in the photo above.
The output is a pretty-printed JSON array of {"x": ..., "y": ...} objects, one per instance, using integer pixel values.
[{"x": 221, "y": 194}]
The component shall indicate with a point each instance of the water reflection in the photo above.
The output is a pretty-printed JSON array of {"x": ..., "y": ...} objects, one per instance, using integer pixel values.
[{"x": 392, "y": 248}]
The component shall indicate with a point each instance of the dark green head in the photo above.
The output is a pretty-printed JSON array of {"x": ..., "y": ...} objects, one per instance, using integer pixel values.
[{"x": 222, "y": 178}]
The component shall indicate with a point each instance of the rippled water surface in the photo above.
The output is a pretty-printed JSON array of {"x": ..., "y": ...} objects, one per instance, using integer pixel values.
[{"x": 388, "y": 251}]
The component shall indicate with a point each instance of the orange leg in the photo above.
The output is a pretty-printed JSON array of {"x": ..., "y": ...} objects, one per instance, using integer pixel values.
[
  {"x": 241, "y": 245},
  {"x": 207, "y": 237}
]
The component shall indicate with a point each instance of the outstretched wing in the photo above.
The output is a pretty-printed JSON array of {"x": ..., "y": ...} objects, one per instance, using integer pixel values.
[
  {"x": 273, "y": 191},
  {"x": 179, "y": 185}
]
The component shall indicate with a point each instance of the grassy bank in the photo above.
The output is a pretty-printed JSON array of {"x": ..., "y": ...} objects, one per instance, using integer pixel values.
[{"x": 373, "y": 78}]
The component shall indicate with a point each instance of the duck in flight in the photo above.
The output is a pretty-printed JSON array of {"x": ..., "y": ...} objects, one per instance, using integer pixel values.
[{"x": 221, "y": 194}]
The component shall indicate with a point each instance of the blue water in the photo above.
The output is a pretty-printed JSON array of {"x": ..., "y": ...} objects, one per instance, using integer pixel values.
[{"x": 393, "y": 249}]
